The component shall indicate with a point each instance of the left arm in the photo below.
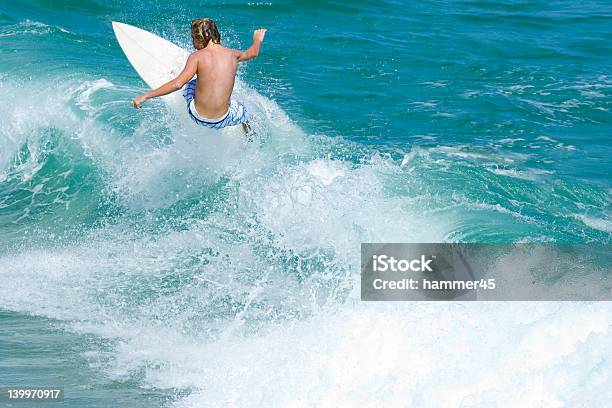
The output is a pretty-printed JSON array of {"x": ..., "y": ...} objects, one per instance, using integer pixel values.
[
  {"x": 174, "y": 85},
  {"x": 253, "y": 50}
]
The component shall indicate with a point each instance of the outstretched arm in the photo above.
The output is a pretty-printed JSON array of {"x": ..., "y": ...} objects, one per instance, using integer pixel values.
[
  {"x": 174, "y": 85},
  {"x": 253, "y": 50}
]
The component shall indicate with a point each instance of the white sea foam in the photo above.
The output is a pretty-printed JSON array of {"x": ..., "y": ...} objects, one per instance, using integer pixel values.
[
  {"x": 511, "y": 140},
  {"x": 346, "y": 354},
  {"x": 600, "y": 224},
  {"x": 23, "y": 119},
  {"x": 29, "y": 27},
  {"x": 411, "y": 355},
  {"x": 525, "y": 174},
  {"x": 427, "y": 104},
  {"x": 257, "y": 303}
]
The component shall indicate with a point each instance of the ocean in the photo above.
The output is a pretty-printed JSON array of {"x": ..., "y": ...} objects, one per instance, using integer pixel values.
[{"x": 135, "y": 275}]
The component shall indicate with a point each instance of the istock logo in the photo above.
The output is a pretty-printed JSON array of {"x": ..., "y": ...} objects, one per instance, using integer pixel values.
[{"x": 384, "y": 263}]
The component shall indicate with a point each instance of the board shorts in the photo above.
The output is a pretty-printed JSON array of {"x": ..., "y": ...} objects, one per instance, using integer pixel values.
[{"x": 235, "y": 115}]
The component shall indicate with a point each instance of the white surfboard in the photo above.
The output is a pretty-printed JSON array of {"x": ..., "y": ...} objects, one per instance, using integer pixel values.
[{"x": 155, "y": 59}]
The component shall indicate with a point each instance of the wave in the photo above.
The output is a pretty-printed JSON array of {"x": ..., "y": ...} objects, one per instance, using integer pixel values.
[
  {"x": 195, "y": 255},
  {"x": 29, "y": 27}
]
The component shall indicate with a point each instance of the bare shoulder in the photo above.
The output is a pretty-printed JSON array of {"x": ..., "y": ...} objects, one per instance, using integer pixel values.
[
  {"x": 199, "y": 54},
  {"x": 233, "y": 52},
  {"x": 202, "y": 57}
]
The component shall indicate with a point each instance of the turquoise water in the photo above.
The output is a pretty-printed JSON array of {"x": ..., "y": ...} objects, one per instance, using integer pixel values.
[{"x": 135, "y": 272}]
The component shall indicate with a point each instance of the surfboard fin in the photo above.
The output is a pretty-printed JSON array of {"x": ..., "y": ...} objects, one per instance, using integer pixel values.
[{"x": 249, "y": 133}]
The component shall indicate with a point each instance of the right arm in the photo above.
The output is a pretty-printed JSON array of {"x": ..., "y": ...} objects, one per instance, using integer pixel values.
[
  {"x": 253, "y": 50},
  {"x": 174, "y": 85}
]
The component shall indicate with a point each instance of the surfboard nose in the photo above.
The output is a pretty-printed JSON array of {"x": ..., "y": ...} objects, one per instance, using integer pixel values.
[{"x": 117, "y": 26}]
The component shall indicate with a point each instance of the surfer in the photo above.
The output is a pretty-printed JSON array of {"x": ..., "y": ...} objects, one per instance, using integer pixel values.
[{"x": 208, "y": 96}]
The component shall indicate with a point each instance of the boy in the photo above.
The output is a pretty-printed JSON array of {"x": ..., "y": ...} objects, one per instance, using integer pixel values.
[{"x": 208, "y": 97}]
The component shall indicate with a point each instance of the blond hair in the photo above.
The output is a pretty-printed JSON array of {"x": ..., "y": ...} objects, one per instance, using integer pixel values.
[{"x": 203, "y": 31}]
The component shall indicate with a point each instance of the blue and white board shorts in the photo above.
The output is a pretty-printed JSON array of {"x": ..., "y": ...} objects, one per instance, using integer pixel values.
[{"x": 235, "y": 115}]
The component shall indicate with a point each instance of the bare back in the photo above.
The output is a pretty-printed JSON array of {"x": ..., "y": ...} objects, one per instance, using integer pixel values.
[{"x": 216, "y": 72}]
